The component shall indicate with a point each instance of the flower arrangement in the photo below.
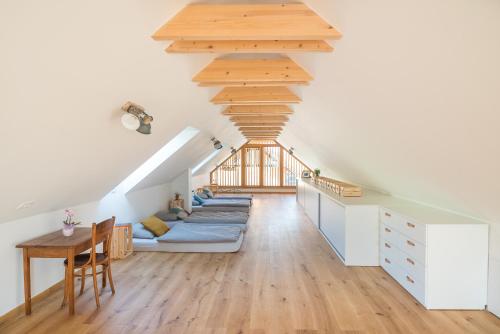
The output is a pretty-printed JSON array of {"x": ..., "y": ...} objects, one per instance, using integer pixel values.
[{"x": 69, "y": 223}]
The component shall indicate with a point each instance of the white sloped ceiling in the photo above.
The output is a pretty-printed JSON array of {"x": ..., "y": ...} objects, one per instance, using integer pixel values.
[{"x": 407, "y": 103}]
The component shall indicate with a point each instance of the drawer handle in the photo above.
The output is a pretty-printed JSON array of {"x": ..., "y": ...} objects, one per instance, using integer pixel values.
[
  {"x": 387, "y": 214},
  {"x": 387, "y": 245},
  {"x": 410, "y": 243},
  {"x": 409, "y": 279},
  {"x": 410, "y": 225},
  {"x": 410, "y": 261},
  {"x": 388, "y": 230},
  {"x": 387, "y": 261}
]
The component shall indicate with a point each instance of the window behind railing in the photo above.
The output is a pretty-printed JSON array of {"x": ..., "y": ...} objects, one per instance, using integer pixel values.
[{"x": 259, "y": 165}]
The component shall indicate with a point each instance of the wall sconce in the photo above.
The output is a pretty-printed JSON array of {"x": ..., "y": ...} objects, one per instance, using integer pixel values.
[
  {"x": 136, "y": 118},
  {"x": 217, "y": 143}
]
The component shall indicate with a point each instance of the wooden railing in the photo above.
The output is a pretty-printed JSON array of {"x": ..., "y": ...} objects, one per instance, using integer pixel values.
[
  {"x": 266, "y": 165},
  {"x": 338, "y": 187}
]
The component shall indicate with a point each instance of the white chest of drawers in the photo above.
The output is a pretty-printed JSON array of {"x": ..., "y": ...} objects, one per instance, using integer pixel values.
[{"x": 443, "y": 265}]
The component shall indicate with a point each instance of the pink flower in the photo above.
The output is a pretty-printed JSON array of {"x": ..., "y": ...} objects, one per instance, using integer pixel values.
[{"x": 69, "y": 213}]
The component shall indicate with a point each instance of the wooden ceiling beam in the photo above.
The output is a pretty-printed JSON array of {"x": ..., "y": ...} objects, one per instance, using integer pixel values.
[
  {"x": 269, "y": 46},
  {"x": 259, "y": 124},
  {"x": 255, "y": 95},
  {"x": 260, "y": 128},
  {"x": 253, "y": 83},
  {"x": 245, "y": 72},
  {"x": 201, "y": 21},
  {"x": 258, "y": 119},
  {"x": 257, "y": 110}
]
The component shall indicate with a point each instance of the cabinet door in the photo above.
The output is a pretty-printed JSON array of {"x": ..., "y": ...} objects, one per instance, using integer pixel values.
[
  {"x": 332, "y": 217},
  {"x": 312, "y": 204},
  {"x": 300, "y": 193}
]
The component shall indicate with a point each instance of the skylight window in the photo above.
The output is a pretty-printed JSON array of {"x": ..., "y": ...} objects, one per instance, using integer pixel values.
[
  {"x": 155, "y": 160},
  {"x": 205, "y": 161}
]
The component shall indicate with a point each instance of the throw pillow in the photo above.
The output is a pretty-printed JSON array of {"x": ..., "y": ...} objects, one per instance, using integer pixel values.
[
  {"x": 166, "y": 216},
  {"x": 155, "y": 225},
  {"x": 195, "y": 203},
  {"x": 140, "y": 232},
  {"x": 175, "y": 210},
  {"x": 182, "y": 215},
  {"x": 209, "y": 192},
  {"x": 198, "y": 198},
  {"x": 203, "y": 195}
]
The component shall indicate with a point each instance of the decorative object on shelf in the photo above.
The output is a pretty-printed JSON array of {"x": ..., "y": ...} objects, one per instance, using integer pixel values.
[
  {"x": 317, "y": 171},
  {"x": 233, "y": 150},
  {"x": 177, "y": 196},
  {"x": 69, "y": 223},
  {"x": 217, "y": 143},
  {"x": 136, "y": 118},
  {"x": 290, "y": 150},
  {"x": 121, "y": 243},
  {"x": 306, "y": 174},
  {"x": 338, "y": 187},
  {"x": 176, "y": 203}
]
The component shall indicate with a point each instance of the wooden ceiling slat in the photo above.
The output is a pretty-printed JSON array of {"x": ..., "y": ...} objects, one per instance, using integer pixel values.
[
  {"x": 255, "y": 95},
  {"x": 257, "y": 110},
  {"x": 245, "y": 72},
  {"x": 258, "y": 119},
  {"x": 253, "y": 84},
  {"x": 260, "y": 128},
  {"x": 259, "y": 124},
  {"x": 294, "y": 21},
  {"x": 270, "y": 46}
]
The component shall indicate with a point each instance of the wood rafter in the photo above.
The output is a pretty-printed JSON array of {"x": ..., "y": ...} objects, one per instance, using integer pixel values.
[
  {"x": 252, "y": 72},
  {"x": 257, "y": 110},
  {"x": 255, "y": 95},
  {"x": 258, "y": 119},
  {"x": 294, "y": 21},
  {"x": 270, "y": 46},
  {"x": 260, "y": 128},
  {"x": 259, "y": 124}
]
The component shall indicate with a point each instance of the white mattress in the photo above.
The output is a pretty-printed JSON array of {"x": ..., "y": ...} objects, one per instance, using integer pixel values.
[{"x": 151, "y": 245}]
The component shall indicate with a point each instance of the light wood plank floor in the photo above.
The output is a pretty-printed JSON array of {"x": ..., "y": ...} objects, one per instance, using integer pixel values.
[{"x": 285, "y": 279}]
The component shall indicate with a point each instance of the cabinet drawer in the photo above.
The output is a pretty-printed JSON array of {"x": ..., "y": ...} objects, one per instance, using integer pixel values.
[
  {"x": 391, "y": 267},
  {"x": 413, "y": 229},
  {"x": 390, "y": 234},
  {"x": 391, "y": 251},
  {"x": 414, "y": 287},
  {"x": 413, "y": 248},
  {"x": 413, "y": 267},
  {"x": 391, "y": 219}
]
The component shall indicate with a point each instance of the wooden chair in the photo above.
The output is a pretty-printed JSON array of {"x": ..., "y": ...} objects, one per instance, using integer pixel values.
[{"x": 101, "y": 233}]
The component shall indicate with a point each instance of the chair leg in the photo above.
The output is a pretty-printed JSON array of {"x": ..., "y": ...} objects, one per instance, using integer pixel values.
[
  {"x": 111, "y": 284},
  {"x": 83, "y": 280},
  {"x": 96, "y": 290},
  {"x": 65, "y": 297},
  {"x": 104, "y": 270}
]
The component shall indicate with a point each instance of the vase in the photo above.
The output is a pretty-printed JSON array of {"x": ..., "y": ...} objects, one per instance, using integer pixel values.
[{"x": 68, "y": 230}]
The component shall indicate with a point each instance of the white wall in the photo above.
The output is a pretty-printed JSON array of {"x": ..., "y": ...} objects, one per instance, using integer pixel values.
[{"x": 46, "y": 272}]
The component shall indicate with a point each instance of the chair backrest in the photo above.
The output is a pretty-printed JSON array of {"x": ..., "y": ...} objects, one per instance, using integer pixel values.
[{"x": 102, "y": 232}]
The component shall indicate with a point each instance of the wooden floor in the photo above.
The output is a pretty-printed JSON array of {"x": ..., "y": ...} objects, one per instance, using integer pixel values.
[{"x": 285, "y": 279}]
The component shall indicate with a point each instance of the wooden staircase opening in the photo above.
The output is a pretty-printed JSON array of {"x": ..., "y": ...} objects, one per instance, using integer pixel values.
[{"x": 259, "y": 166}]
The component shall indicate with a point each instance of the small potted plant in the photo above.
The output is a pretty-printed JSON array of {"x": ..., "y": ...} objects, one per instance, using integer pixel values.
[
  {"x": 69, "y": 223},
  {"x": 316, "y": 172}
]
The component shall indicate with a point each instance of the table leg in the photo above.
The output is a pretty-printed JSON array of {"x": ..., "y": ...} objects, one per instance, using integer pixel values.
[
  {"x": 71, "y": 281},
  {"x": 27, "y": 282}
]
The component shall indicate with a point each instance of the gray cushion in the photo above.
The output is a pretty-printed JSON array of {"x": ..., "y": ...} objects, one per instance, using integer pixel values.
[
  {"x": 195, "y": 203},
  {"x": 140, "y": 232},
  {"x": 209, "y": 192},
  {"x": 203, "y": 195},
  {"x": 182, "y": 215},
  {"x": 166, "y": 216}
]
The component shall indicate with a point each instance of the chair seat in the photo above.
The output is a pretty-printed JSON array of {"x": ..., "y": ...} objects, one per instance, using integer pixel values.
[{"x": 81, "y": 259}]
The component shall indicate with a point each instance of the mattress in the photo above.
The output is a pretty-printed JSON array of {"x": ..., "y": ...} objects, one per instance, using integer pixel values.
[
  {"x": 200, "y": 208},
  {"x": 151, "y": 245},
  {"x": 217, "y": 217},
  {"x": 226, "y": 202},
  {"x": 200, "y": 233},
  {"x": 245, "y": 197}
]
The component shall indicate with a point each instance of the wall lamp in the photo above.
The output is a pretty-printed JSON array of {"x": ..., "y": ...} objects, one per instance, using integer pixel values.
[
  {"x": 135, "y": 118},
  {"x": 217, "y": 143}
]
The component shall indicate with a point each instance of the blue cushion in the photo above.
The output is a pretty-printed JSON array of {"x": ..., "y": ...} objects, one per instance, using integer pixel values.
[
  {"x": 198, "y": 198},
  {"x": 140, "y": 232},
  {"x": 195, "y": 203},
  {"x": 209, "y": 192}
]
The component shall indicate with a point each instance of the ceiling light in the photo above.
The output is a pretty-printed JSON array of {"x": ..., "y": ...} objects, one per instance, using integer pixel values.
[
  {"x": 217, "y": 143},
  {"x": 136, "y": 118}
]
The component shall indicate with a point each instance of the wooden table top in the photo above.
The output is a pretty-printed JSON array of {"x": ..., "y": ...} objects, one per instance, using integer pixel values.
[{"x": 58, "y": 240}]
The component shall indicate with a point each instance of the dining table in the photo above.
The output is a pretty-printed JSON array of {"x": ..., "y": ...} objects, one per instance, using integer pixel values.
[{"x": 55, "y": 245}]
